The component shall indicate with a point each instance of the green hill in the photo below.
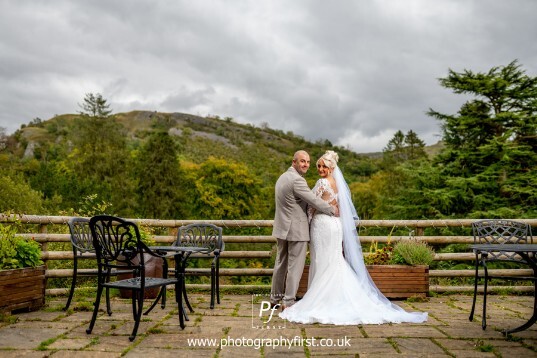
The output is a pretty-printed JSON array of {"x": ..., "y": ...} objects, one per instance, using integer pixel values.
[{"x": 264, "y": 150}]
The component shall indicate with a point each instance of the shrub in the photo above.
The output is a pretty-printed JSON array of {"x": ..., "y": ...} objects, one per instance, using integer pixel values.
[
  {"x": 17, "y": 252},
  {"x": 413, "y": 252}
]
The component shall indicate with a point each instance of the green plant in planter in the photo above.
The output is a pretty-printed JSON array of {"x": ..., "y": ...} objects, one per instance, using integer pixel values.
[
  {"x": 404, "y": 252},
  {"x": 379, "y": 255},
  {"x": 412, "y": 252},
  {"x": 17, "y": 252}
]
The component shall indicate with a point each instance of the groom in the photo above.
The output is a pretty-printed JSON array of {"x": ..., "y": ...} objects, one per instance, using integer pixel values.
[{"x": 291, "y": 228}]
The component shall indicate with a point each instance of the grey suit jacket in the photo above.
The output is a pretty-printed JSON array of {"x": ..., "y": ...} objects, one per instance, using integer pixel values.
[{"x": 292, "y": 198}]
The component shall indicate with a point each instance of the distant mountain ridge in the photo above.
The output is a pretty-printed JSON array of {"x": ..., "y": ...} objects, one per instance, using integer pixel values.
[
  {"x": 202, "y": 137},
  {"x": 212, "y": 127}
]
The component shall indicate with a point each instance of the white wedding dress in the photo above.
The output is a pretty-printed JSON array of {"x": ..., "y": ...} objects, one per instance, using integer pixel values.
[{"x": 336, "y": 294}]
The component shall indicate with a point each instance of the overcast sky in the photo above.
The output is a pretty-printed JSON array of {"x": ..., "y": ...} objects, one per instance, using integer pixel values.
[{"x": 350, "y": 71}]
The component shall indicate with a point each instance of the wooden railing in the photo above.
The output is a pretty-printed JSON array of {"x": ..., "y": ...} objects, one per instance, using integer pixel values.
[{"x": 53, "y": 229}]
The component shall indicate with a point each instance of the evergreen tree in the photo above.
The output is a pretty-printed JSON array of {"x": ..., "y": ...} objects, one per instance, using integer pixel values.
[
  {"x": 402, "y": 148},
  {"x": 95, "y": 106},
  {"x": 100, "y": 158},
  {"x": 160, "y": 186},
  {"x": 490, "y": 160}
]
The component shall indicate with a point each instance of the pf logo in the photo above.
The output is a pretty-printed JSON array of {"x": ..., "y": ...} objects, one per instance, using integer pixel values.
[{"x": 265, "y": 306}]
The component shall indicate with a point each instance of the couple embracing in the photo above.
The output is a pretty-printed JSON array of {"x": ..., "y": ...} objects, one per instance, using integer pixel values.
[{"x": 340, "y": 290}]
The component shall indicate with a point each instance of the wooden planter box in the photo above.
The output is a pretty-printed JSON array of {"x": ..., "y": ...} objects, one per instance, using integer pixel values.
[
  {"x": 400, "y": 281},
  {"x": 22, "y": 289},
  {"x": 394, "y": 281}
]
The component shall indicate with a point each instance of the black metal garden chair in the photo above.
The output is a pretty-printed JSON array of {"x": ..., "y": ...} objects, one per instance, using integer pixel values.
[
  {"x": 82, "y": 245},
  {"x": 208, "y": 236},
  {"x": 118, "y": 246},
  {"x": 498, "y": 237}
]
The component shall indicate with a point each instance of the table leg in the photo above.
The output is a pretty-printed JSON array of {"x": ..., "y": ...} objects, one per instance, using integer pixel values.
[
  {"x": 185, "y": 296},
  {"x": 476, "y": 279},
  {"x": 162, "y": 293},
  {"x": 182, "y": 294},
  {"x": 533, "y": 317},
  {"x": 179, "y": 291}
]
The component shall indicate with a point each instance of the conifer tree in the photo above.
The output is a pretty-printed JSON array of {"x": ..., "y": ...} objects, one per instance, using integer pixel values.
[{"x": 490, "y": 160}]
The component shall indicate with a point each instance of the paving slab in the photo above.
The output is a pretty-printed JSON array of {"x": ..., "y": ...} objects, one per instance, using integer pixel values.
[{"x": 234, "y": 329}]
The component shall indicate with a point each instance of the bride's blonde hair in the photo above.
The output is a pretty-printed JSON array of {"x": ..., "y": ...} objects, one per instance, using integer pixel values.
[{"x": 330, "y": 159}]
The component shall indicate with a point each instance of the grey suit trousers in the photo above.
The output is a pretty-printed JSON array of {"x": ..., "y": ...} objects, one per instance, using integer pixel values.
[{"x": 288, "y": 269}]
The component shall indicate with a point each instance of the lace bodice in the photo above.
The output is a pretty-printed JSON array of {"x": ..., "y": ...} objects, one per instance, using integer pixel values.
[{"x": 323, "y": 190}]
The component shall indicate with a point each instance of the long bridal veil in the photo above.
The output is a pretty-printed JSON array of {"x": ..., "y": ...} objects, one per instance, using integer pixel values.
[{"x": 351, "y": 242}]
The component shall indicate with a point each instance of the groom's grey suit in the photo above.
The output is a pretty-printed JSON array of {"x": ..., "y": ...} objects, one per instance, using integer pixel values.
[{"x": 291, "y": 228}]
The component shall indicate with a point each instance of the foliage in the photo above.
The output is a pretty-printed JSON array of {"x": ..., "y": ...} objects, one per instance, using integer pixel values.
[
  {"x": 490, "y": 158},
  {"x": 159, "y": 182},
  {"x": 404, "y": 147},
  {"x": 405, "y": 252},
  {"x": 92, "y": 205},
  {"x": 146, "y": 234},
  {"x": 486, "y": 166},
  {"x": 17, "y": 196},
  {"x": 222, "y": 189},
  {"x": 17, "y": 252},
  {"x": 413, "y": 252},
  {"x": 95, "y": 105},
  {"x": 100, "y": 159},
  {"x": 379, "y": 255}
]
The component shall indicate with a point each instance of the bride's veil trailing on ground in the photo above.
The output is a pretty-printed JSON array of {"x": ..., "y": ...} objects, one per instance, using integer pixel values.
[{"x": 351, "y": 242}]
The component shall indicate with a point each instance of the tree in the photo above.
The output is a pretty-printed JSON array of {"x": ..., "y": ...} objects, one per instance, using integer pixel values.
[
  {"x": 95, "y": 105},
  {"x": 404, "y": 147},
  {"x": 100, "y": 158},
  {"x": 222, "y": 189},
  {"x": 490, "y": 159},
  {"x": 18, "y": 197},
  {"x": 160, "y": 184},
  {"x": 3, "y": 138}
]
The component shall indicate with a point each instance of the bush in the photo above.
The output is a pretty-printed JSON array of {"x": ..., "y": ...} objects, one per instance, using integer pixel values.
[
  {"x": 17, "y": 252},
  {"x": 413, "y": 252}
]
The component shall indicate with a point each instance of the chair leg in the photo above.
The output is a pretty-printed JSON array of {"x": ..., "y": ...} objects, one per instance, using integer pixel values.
[
  {"x": 179, "y": 287},
  {"x": 134, "y": 304},
  {"x": 95, "y": 308},
  {"x": 165, "y": 275},
  {"x": 163, "y": 301},
  {"x": 484, "y": 318},
  {"x": 108, "y": 306},
  {"x": 213, "y": 285},
  {"x": 138, "y": 314},
  {"x": 73, "y": 283},
  {"x": 475, "y": 288},
  {"x": 161, "y": 296},
  {"x": 218, "y": 281}
]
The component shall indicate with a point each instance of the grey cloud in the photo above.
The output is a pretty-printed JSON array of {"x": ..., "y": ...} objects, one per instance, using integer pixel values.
[{"x": 351, "y": 72}]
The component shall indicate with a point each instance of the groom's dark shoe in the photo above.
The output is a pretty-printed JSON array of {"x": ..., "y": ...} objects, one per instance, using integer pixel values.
[{"x": 272, "y": 305}]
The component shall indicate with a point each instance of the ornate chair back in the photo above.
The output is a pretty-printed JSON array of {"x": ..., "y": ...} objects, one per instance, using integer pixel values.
[
  {"x": 502, "y": 232},
  {"x": 208, "y": 236}
]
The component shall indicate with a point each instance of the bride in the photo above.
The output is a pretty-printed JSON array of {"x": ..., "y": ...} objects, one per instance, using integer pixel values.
[{"x": 340, "y": 290}]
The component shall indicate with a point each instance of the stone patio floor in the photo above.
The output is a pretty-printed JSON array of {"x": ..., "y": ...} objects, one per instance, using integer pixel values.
[{"x": 234, "y": 329}]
